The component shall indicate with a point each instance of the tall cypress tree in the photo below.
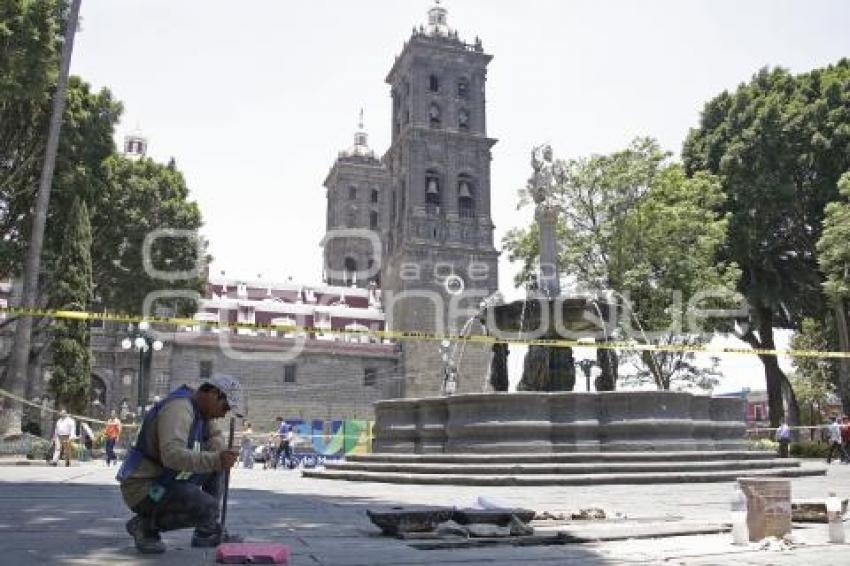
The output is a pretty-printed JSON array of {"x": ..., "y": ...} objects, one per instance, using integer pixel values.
[{"x": 71, "y": 289}]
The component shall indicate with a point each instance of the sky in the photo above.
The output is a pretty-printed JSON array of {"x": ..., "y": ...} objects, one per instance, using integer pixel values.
[{"x": 254, "y": 99}]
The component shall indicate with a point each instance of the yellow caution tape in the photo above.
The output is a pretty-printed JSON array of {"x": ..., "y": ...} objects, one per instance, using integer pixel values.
[
  {"x": 416, "y": 335},
  {"x": 10, "y": 395}
]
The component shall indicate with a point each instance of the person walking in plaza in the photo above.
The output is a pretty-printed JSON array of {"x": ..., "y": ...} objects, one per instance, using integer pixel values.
[
  {"x": 284, "y": 451},
  {"x": 63, "y": 433},
  {"x": 783, "y": 437},
  {"x": 270, "y": 453},
  {"x": 87, "y": 436},
  {"x": 112, "y": 433},
  {"x": 247, "y": 447},
  {"x": 172, "y": 476},
  {"x": 834, "y": 432}
]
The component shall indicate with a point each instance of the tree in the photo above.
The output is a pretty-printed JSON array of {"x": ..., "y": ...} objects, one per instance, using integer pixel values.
[
  {"x": 30, "y": 36},
  {"x": 834, "y": 259},
  {"x": 71, "y": 289},
  {"x": 813, "y": 379},
  {"x": 778, "y": 144},
  {"x": 86, "y": 141},
  {"x": 137, "y": 198},
  {"x": 635, "y": 224}
]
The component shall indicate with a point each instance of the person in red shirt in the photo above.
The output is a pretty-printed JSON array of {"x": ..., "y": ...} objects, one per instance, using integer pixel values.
[{"x": 113, "y": 431}]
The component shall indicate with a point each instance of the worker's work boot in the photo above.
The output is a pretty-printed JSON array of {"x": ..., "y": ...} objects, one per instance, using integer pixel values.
[
  {"x": 206, "y": 539},
  {"x": 147, "y": 542}
]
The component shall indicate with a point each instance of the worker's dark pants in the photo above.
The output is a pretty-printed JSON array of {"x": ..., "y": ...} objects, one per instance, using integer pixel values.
[
  {"x": 783, "y": 447},
  {"x": 184, "y": 505}
]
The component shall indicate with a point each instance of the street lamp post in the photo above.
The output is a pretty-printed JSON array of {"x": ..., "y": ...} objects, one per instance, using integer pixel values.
[{"x": 142, "y": 341}]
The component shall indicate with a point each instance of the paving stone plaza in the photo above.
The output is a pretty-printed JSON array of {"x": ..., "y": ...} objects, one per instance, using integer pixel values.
[{"x": 75, "y": 516}]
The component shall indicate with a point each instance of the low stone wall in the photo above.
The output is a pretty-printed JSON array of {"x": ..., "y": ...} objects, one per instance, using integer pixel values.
[{"x": 526, "y": 422}]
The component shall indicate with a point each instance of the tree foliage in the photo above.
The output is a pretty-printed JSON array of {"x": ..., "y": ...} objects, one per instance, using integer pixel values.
[
  {"x": 71, "y": 289},
  {"x": 834, "y": 244},
  {"x": 634, "y": 223},
  {"x": 139, "y": 197},
  {"x": 779, "y": 144},
  {"x": 29, "y": 61}
]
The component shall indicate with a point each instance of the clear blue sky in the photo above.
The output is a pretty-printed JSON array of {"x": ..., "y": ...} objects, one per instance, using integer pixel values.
[{"x": 255, "y": 98}]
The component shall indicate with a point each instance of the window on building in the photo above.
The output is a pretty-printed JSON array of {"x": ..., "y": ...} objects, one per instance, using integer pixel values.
[
  {"x": 434, "y": 83},
  {"x": 432, "y": 193},
  {"x": 352, "y": 193},
  {"x": 289, "y": 373},
  {"x": 205, "y": 369},
  {"x": 351, "y": 219},
  {"x": 162, "y": 382},
  {"x": 462, "y": 89},
  {"x": 434, "y": 115},
  {"x": 374, "y": 197},
  {"x": 370, "y": 377},
  {"x": 373, "y": 220},
  {"x": 463, "y": 119}
]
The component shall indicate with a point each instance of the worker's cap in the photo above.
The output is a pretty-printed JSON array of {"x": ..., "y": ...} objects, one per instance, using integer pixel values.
[{"x": 230, "y": 388}]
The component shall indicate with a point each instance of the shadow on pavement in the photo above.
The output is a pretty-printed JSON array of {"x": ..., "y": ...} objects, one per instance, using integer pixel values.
[{"x": 76, "y": 523}]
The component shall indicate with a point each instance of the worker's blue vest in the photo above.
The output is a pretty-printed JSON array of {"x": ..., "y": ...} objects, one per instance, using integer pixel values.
[{"x": 142, "y": 448}]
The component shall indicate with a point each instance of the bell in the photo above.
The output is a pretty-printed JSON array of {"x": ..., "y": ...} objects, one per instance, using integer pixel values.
[
  {"x": 433, "y": 187},
  {"x": 463, "y": 191}
]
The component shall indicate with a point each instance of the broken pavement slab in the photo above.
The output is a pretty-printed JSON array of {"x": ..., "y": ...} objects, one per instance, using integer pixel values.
[
  {"x": 812, "y": 510},
  {"x": 412, "y": 519},
  {"x": 500, "y": 517}
]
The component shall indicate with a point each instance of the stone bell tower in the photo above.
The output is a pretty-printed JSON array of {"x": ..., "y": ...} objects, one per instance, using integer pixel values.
[
  {"x": 356, "y": 215},
  {"x": 440, "y": 261}
]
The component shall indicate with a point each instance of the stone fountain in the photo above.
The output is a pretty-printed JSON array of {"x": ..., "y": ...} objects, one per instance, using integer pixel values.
[{"x": 553, "y": 436}]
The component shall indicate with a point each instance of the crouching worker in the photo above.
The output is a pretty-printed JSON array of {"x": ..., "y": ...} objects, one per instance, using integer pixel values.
[{"x": 171, "y": 478}]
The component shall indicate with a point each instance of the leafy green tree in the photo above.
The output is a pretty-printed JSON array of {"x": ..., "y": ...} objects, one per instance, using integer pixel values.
[
  {"x": 636, "y": 224},
  {"x": 71, "y": 289},
  {"x": 779, "y": 144},
  {"x": 834, "y": 258},
  {"x": 813, "y": 379},
  {"x": 29, "y": 61},
  {"x": 137, "y": 198}
]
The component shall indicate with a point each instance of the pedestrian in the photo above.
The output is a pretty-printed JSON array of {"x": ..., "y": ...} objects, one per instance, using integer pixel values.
[
  {"x": 172, "y": 476},
  {"x": 63, "y": 433},
  {"x": 284, "y": 449},
  {"x": 113, "y": 432},
  {"x": 87, "y": 436},
  {"x": 834, "y": 431},
  {"x": 270, "y": 454},
  {"x": 247, "y": 446},
  {"x": 783, "y": 437}
]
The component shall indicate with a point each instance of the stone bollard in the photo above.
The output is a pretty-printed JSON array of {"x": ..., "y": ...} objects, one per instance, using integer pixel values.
[{"x": 768, "y": 506}]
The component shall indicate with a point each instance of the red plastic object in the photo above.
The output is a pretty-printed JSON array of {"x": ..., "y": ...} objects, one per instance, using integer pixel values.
[{"x": 252, "y": 553}]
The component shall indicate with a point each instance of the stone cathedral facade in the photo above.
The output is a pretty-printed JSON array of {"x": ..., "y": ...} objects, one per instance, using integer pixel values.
[{"x": 427, "y": 203}]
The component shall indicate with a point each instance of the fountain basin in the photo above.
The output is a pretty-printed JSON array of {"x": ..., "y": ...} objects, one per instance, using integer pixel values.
[{"x": 541, "y": 423}]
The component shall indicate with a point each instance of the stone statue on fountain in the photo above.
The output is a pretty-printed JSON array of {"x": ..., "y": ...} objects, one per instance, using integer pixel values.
[{"x": 546, "y": 368}]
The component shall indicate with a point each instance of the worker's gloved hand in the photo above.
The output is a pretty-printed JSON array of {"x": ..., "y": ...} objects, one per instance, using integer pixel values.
[{"x": 227, "y": 458}]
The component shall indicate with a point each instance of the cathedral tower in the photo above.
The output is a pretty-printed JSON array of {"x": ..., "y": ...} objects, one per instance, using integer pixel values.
[
  {"x": 439, "y": 253},
  {"x": 356, "y": 217}
]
